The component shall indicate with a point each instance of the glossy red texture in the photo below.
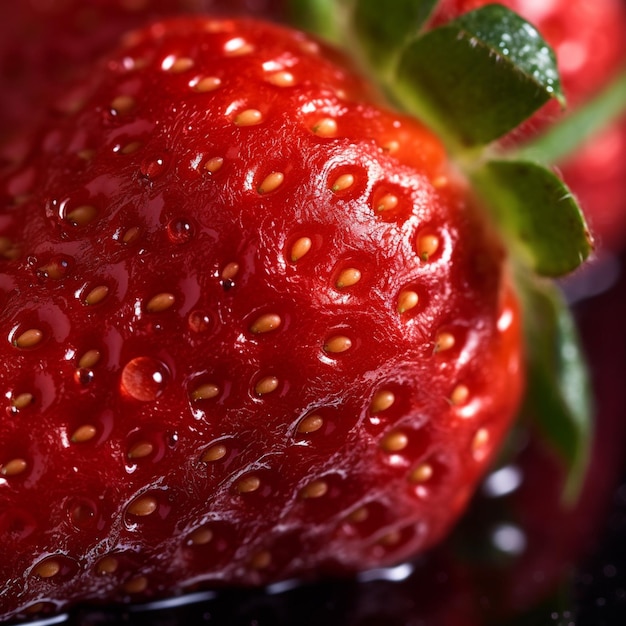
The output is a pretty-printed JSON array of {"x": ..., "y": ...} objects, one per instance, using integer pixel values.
[
  {"x": 46, "y": 44},
  {"x": 589, "y": 40},
  {"x": 253, "y": 327}
]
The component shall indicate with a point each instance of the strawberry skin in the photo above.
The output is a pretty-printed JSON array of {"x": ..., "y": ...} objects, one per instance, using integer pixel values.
[
  {"x": 46, "y": 45},
  {"x": 253, "y": 326}
]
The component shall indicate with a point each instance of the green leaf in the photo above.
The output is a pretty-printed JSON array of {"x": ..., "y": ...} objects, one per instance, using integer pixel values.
[
  {"x": 478, "y": 77},
  {"x": 383, "y": 28},
  {"x": 559, "y": 392},
  {"x": 537, "y": 213}
]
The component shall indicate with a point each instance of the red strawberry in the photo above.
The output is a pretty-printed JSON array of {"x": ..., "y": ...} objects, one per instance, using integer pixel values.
[
  {"x": 45, "y": 45},
  {"x": 254, "y": 327},
  {"x": 588, "y": 39}
]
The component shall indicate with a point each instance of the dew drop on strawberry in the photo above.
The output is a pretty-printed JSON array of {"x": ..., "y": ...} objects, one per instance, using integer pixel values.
[
  {"x": 180, "y": 230},
  {"x": 153, "y": 167},
  {"x": 144, "y": 378},
  {"x": 199, "y": 321}
]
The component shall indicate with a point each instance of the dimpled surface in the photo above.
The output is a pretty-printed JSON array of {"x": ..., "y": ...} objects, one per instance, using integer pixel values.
[
  {"x": 45, "y": 44},
  {"x": 252, "y": 327}
]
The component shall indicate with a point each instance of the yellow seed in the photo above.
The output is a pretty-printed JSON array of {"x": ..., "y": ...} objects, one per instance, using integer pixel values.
[
  {"x": 343, "y": 182},
  {"x": 391, "y": 146},
  {"x": 205, "y": 84},
  {"x": 177, "y": 65},
  {"x": 387, "y": 203},
  {"x": 131, "y": 235},
  {"x": 29, "y": 338},
  {"x": 214, "y": 164},
  {"x": 89, "y": 359},
  {"x": 84, "y": 433},
  {"x": 96, "y": 295},
  {"x": 445, "y": 341},
  {"x": 266, "y": 385},
  {"x": 215, "y": 453},
  {"x": 348, "y": 277},
  {"x": 8, "y": 249},
  {"x": 300, "y": 248},
  {"x": 215, "y": 26},
  {"x": 107, "y": 565},
  {"x": 131, "y": 147},
  {"x": 427, "y": 245},
  {"x": 459, "y": 395},
  {"x": 281, "y": 79},
  {"x": 47, "y": 568},
  {"x": 337, "y": 344},
  {"x": 160, "y": 302},
  {"x": 407, "y": 300},
  {"x": 136, "y": 585},
  {"x": 326, "y": 127},
  {"x": 316, "y": 489},
  {"x": 440, "y": 182},
  {"x": 421, "y": 473},
  {"x": 22, "y": 401},
  {"x": 205, "y": 392},
  {"x": 310, "y": 47},
  {"x": 86, "y": 154},
  {"x": 480, "y": 440},
  {"x": 248, "y": 484},
  {"x": 82, "y": 215},
  {"x": 271, "y": 182},
  {"x": 238, "y": 47},
  {"x": 230, "y": 271},
  {"x": 390, "y": 539},
  {"x": 261, "y": 560},
  {"x": 358, "y": 515},
  {"x": 382, "y": 400},
  {"x": 201, "y": 536},
  {"x": 266, "y": 323},
  {"x": 143, "y": 506},
  {"x": 310, "y": 424},
  {"x": 249, "y": 117},
  {"x": 14, "y": 467},
  {"x": 123, "y": 104},
  {"x": 141, "y": 450},
  {"x": 55, "y": 271},
  {"x": 394, "y": 442}
]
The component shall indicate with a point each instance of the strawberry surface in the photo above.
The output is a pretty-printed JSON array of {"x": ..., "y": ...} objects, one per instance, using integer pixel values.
[
  {"x": 44, "y": 45},
  {"x": 254, "y": 326}
]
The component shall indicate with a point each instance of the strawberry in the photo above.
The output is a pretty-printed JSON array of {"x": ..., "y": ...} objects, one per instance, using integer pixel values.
[
  {"x": 254, "y": 326},
  {"x": 588, "y": 39},
  {"x": 45, "y": 45}
]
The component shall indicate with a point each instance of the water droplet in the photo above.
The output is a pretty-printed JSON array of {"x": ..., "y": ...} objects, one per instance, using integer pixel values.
[
  {"x": 153, "y": 167},
  {"x": 144, "y": 378},
  {"x": 199, "y": 322},
  {"x": 82, "y": 513},
  {"x": 83, "y": 376},
  {"x": 180, "y": 230}
]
